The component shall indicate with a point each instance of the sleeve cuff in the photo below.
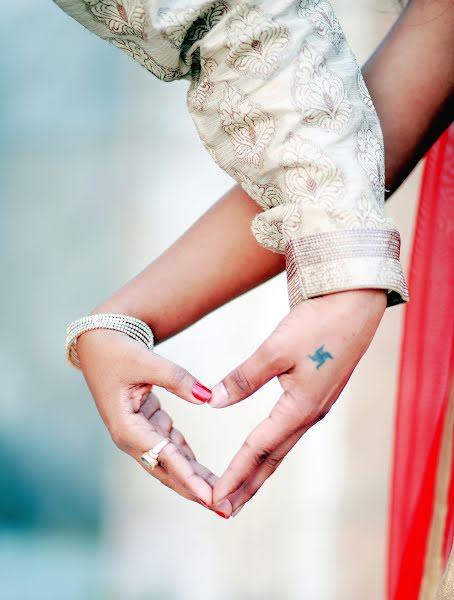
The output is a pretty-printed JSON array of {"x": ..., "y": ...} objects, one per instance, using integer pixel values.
[{"x": 334, "y": 261}]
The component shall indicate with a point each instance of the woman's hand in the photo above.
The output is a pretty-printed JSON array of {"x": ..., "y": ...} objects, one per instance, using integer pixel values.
[
  {"x": 120, "y": 373},
  {"x": 313, "y": 351}
]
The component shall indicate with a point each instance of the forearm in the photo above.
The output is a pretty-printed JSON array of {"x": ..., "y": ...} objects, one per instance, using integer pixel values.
[
  {"x": 410, "y": 77},
  {"x": 218, "y": 258},
  {"x": 214, "y": 261}
]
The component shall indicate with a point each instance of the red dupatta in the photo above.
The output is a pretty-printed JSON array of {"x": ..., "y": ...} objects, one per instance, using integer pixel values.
[{"x": 421, "y": 528}]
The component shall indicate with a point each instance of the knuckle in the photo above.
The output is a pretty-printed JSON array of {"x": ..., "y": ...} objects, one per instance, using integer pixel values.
[
  {"x": 240, "y": 381},
  {"x": 165, "y": 457},
  {"x": 178, "y": 437},
  {"x": 273, "y": 354},
  {"x": 262, "y": 457},
  {"x": 274, "y": 460},
  {"x": 258, "y": 455}
]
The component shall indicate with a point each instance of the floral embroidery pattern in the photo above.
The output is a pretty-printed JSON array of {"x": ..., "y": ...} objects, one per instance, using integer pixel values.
[
  {"x": 185, "y": 26},
  {"x": 363, "y": 216},
  {"x": 364, "y": 92},
  {"x": 138, "y": 53},
  {"x": 310, "y": 176},
  {"x": 125, "y": 17},
  {"x": 324, "y": 19},
  {"x": 268, "y": 234},
  {"x": 291, "y": 220},
  {"x": 190, "y": 24},
  {"x": 204, "y": 22},
  {"x": 176, "y": 23},
  {"x": 249, "y": 128},
  {"x": 200, "y": 89},
  {"x": 266, "y": 195},
  {"x": 319, "y": 94},
  {"x": 273, "y": 228},
  {"x": 256, "y": 42},
  {"x": 372, "y": 160}
]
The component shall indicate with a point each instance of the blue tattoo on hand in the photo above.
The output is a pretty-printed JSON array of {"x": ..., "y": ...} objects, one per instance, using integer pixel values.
[{"x": 320, "y": 356}]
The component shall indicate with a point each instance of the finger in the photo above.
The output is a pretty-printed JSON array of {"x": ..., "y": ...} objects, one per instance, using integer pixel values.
[
  {"x": 137, "y": 435},
  {"x": 224, "y": 508},
  {"x": 204, "y": 472},
  {"x": 260, "y": 446},
  {"x": 183, "y": 471},
  {"x": 151, "y": 409},
  {"x": 161, "y": 475},
  {"x": 172, "y": 377},
  {"x": 163, "y": 422},
  {"x": 252, "y": 485},
  {"x": 150, "y": 406},
  {"x": 178, "y": 438},
  {"x": 269, "y": 360}
]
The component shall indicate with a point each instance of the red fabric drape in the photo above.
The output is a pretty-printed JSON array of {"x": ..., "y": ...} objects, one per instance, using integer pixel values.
[{"x": 426, "y": 371}]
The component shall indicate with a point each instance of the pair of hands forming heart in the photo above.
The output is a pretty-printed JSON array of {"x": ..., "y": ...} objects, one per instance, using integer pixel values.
[{"x": 313, "y": 351}]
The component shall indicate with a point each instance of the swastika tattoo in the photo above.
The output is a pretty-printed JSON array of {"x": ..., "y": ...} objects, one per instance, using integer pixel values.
[{"x": 320, "y": 356}]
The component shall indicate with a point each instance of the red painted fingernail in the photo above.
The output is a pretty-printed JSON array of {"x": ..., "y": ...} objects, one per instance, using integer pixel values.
[
  {"x": 203, "y": 502},
  {"x": 201, "y": 392},
  {"x": 221, "y": 514}
]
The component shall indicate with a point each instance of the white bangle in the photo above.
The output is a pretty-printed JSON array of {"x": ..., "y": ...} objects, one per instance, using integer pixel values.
[{"x": 135, "y": 328}]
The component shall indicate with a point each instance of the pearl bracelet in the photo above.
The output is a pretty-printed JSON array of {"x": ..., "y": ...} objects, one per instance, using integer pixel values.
[{"x": 135, "y": 328}]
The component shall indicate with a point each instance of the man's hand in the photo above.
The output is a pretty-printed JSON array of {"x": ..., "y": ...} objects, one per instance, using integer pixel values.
[{"x": 313, "y": 352}]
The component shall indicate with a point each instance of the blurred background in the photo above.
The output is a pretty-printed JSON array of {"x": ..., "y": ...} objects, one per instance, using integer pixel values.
[{"x": 90, "y": 144}]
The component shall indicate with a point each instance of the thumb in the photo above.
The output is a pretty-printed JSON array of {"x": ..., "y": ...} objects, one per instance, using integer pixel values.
[
  {"x": 267, "y": 362},
  {"x": 160, "y": 371}
]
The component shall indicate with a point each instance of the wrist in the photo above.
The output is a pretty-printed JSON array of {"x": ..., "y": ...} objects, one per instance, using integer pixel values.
[
  {"x": 125, "y": 324},
  {"x": 366, "y": 304},
  {"x": 122, "y": 305}
]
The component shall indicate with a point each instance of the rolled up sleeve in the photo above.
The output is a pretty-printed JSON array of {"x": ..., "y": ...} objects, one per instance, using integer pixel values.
[
  {"x": 279, "y": 102},
  {"x": 281, "y": 105}
]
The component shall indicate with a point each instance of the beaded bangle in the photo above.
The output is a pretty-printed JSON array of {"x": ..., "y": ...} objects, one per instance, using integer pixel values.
[{"x": 135, "y": 328}]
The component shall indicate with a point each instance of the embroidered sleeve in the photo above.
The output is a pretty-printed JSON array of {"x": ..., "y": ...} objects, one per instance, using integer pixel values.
[
  {"x": 279, "y": 101},
  {"x": 281, "y": 105},
  {"x": 159, "y": 36}
]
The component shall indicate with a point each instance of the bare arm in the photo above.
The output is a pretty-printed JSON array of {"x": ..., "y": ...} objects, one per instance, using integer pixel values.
[
  {"x": 411, "y": 79},
  {"x": 216, "y": 260}
]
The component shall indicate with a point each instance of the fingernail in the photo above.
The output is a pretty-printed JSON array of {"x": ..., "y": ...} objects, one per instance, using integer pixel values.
[
  {"x": 223, "y": 509},
  {"x": 201, "y": 392},
  {"x": 221, "y": 514},
  {"x": 219, "y": 396},
  {"x": 235, "y": 512},
  {"x": 203, "y": 502}
]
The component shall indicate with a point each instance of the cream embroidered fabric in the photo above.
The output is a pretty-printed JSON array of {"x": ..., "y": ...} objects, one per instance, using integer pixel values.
[{"x": 279, "y": 102}]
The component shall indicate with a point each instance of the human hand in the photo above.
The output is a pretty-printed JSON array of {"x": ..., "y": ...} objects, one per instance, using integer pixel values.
[
  {"x": 313, "y": 352},
  {"x": 120, "y": 373}
]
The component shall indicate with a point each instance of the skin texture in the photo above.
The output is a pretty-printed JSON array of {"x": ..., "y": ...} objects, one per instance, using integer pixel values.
[
  {"x": 344, "y": 324},
  {"x": 412, "y": 104}
]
